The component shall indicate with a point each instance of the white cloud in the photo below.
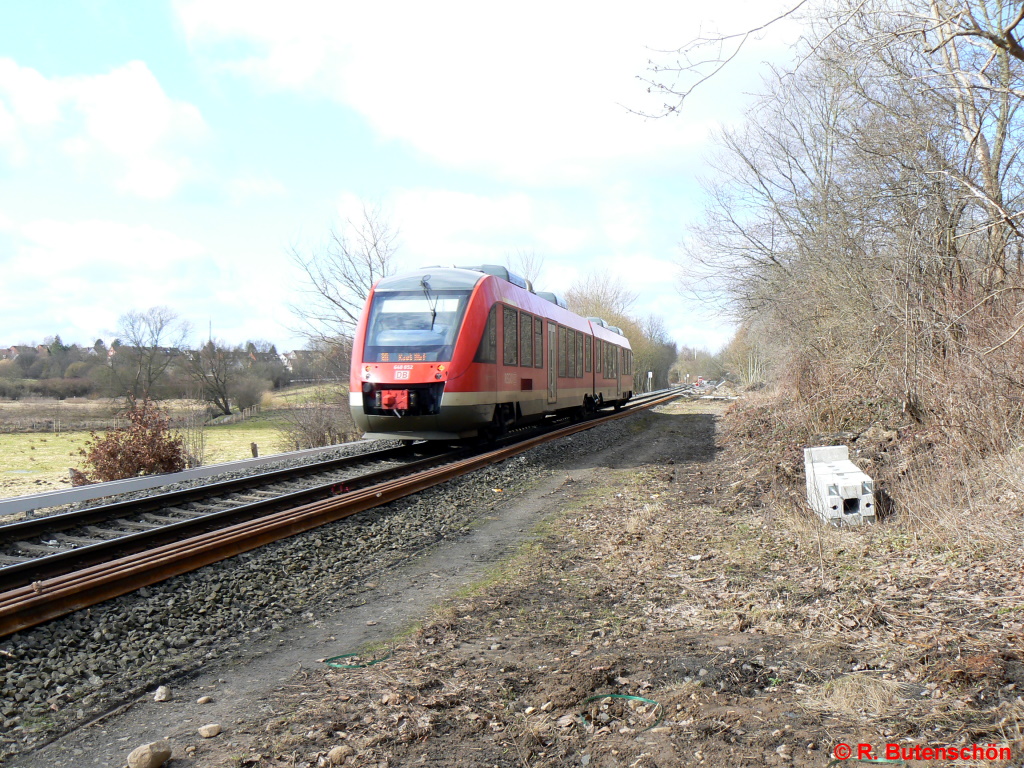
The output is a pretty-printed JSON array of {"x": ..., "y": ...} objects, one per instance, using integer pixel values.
[
  {"x": 93, "y": 271},
  {"x": 33, "y": 99},
  {"x": 243, "y": 189},
  {"x": 84, "y": 274},
  {"x": 445, "y": 227},
  {"x": 532, "y": 91},
  {"x": 98, "y": 246},
  {"x": 122, "y": 120}
]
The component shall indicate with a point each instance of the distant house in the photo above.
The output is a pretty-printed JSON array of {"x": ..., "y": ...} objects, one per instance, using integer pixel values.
[
  {"x": 124, "y": 349},
  {"x": 12, "y": 353},
  {"x": 253, "y": 356},
  {"x": 301, "y": 360}
]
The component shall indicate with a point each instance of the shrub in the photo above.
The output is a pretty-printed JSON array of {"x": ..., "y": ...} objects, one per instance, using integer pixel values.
[
  {"x": 145, "y": 447},
  {"x": 78, "y": 370},
  {"x": 12, "y": 390},
  {"x": 248, "y": 391},
  {"x": 324, "y": 419},
  {"x": 61, "y": 388}
]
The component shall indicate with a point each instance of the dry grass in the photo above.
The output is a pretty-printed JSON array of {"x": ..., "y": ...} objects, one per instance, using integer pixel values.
[
  {"x": 944, "y": 496},
  {"x": 861, "y": 695}
]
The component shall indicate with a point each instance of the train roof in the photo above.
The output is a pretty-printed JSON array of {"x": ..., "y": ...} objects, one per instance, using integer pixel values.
[
  {"x": 439, "y": 278},
  {"x": 465, "y": 278}
]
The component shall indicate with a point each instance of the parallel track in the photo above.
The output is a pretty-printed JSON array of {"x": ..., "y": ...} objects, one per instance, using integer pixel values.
[{"x": 56, "y": 584}]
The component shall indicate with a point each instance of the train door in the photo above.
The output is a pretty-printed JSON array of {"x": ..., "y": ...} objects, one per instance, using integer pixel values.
[{"x": 552, "y": 362}]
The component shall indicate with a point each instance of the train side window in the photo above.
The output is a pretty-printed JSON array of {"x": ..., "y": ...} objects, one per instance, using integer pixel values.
[
  {"x": 510, "y": 336},
  {"x": 538, "y": 342},
  {"x": 579, "y": 354},
  {"x": 570, "y": 348},
  {"x": 561, "y": 351},
  {"x": 587, "y": 353},
  {"x": 487, "y": 352},
  {"x": 526, "y": 340},
  {"x": 598, "y": 351}
]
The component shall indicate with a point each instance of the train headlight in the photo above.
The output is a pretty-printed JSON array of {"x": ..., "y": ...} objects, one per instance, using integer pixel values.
[
  {"x": 440, "y": 367},
  {"x": 437, "y": 375}
]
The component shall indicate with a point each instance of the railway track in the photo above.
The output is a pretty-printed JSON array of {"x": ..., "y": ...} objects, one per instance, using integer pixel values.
[{"x": 54, "y": 565}]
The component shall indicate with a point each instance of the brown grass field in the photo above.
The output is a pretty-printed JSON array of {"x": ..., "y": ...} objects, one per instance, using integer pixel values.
[{"x": 38, "y": 461}]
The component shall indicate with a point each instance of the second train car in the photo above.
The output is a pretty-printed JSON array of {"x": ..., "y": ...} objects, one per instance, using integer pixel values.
[{"x": 451, "y": 353}]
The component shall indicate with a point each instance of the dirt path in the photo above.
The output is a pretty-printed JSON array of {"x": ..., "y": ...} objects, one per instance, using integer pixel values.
[{"x": 641, "y": 616}]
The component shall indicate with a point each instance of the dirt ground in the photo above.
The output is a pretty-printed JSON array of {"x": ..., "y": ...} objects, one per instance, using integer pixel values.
[{"x": 658, "y": 615}]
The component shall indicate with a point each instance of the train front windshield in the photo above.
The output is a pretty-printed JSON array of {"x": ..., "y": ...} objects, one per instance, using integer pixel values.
[{"x": 414, "y": 326}]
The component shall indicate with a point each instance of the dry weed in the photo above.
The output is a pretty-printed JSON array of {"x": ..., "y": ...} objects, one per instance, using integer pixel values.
[{"x": 860, "y": 695}]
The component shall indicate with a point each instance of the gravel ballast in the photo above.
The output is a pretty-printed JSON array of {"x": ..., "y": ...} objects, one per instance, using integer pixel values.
[{"x": 72, "y": 670}]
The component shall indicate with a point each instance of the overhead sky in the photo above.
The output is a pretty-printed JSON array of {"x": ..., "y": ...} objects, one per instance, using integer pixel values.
[{"x": 173, "y": 153}]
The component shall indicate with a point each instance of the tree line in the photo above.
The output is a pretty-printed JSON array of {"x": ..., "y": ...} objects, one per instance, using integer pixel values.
[{"x": 151, "y": 360}]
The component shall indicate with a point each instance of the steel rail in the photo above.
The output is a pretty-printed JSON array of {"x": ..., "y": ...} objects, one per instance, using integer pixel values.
[
  {"x": 62, "y": 521},
  {"x": 33, "y": 604}
]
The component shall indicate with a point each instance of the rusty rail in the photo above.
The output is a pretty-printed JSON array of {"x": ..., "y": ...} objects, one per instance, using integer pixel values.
[{"x": 41, "y": 601}]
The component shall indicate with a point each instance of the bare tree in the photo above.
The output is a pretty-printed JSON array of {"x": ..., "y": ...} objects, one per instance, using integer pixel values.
[
  {"x": 864, "y": 219},
  {"x": 191, "y": 428},
  {"x": 148, "y": 342},
  {"x": 526, "y": 264},
  {"x": 599, "y": 294},
  {"x": 214, "y": 368},
  {"x": 338, "y": 277},
  {"x": 992, "y": 26}
]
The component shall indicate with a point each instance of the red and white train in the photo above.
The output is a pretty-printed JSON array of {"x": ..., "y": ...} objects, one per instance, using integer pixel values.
[{"x": 450, "y": 353}]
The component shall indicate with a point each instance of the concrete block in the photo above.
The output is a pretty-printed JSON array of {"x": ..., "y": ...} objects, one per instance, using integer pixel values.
[{"x": 836, "y": 489}]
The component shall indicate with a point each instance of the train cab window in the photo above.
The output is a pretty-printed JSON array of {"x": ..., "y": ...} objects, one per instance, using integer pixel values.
[
  {"x": 510, "y": 336},
  {"x": 561, "y": 351},
  {"x": 487, "y": 352},
  {"x": 579, "y": 354},
  {"x": 586, "y": 354},
  {"x": 414, "y": 326},
  {"x": 526, "y": 340},
  {"x": 538, "y": 343}
]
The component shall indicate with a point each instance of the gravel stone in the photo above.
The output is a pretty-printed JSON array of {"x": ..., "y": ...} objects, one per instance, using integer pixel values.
[
  {"x": 338, "y": 754},
  {"x": 150, "y": 755}
]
